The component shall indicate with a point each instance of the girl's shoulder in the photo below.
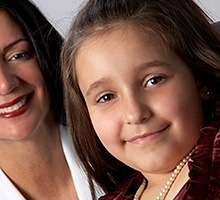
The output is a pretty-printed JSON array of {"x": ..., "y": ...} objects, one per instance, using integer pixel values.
[
  {"x": 205, "y": 164},
  {"x": 126, "y": 190}
]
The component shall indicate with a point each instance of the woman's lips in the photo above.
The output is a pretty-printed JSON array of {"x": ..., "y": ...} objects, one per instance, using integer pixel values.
[
  {"x": 15, "y": 107},
  {"x": 146, "y": 136}
]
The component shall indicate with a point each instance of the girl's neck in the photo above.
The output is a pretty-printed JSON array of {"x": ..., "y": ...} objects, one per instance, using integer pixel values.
[{"x": 167, "y": 186}]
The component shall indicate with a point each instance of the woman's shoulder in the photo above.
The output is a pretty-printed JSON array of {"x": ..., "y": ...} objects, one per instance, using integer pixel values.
[{"x": 63, "y": 129}]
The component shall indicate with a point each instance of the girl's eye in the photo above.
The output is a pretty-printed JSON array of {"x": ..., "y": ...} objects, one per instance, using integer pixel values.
[
  {"x": 153, "y": 81},
  {"x": 105, "y": 98},
  {"x": 18, "y": 56}
]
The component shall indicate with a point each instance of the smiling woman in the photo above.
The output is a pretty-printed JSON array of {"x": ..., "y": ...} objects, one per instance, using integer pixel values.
[
  {"x": 37, "y": 159},
  {"x": 24, "y": 98}
]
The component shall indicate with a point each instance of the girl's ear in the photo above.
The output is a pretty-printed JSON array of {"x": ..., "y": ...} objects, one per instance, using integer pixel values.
[{"x": 205, "y": 93}]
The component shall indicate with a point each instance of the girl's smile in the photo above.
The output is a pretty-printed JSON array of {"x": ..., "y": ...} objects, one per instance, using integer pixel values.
[{"x": 146, "y": 137}]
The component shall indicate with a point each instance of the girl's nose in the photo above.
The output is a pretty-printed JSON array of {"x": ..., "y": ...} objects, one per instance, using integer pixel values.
[
  {"x": 8, "y": 81},
  {"x": 136, "y": 110}
]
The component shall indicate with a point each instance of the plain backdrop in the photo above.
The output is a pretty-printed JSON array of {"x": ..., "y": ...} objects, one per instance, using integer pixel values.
[{"x": 61, "y": 12}]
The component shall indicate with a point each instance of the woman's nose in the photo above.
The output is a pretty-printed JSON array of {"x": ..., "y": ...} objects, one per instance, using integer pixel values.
[
  {"x": 136, "y": 110},
  {"x": 8, "y": 81}
]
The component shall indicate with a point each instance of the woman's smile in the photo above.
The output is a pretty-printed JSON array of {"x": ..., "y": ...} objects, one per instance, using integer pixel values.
[{"x": 16, "y": 107}]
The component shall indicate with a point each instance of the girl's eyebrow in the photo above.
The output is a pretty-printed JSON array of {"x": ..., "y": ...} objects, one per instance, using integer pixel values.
[
  {"x": 98, "y": 83},
  {"x": 10, "y": 45},
  {"x": 94, "y": 85},
  {"x": 155, "y": 63}
]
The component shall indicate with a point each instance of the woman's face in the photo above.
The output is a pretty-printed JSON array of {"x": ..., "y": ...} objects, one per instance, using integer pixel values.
[
  {"x": 24, "y": 102},
  {"x": 143, "y": 102}
]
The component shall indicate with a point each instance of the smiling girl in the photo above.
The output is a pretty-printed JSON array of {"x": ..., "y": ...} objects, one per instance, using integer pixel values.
[{"x": 146, "y": 75}]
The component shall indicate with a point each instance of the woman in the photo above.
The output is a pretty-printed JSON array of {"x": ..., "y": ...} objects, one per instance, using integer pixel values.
[
  {"x": 37, "y": 159},
  {"x": 146, "y": 75}
]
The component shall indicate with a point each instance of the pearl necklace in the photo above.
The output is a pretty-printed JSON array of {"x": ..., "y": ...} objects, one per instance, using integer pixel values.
[
  {"x": 140, "y": 190},
  {"x": 169, "y": 183}
]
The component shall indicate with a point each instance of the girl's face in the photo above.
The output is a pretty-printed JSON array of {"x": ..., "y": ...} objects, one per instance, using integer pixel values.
[
  {"x": 24, "y": 102},
  {"x": 144, "y": 103}
]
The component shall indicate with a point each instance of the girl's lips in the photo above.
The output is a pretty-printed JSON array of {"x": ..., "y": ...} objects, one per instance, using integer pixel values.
[
  {"x": 146, "y": 136},
  {"x": 16, "y": 107}
]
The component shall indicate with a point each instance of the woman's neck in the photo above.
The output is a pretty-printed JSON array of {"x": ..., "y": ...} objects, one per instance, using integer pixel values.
[
  {"x": 37, "y": 164},
  {"x": 41, "y": 146}
]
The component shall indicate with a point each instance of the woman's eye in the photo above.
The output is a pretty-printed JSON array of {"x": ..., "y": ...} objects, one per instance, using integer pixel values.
[
  {"x": 153, "y": 81},
  {"x": 105, "y": 98},
  {"x": 19, "y": 56}
]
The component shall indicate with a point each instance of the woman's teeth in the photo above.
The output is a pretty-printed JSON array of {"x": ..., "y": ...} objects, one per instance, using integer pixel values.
[{"x": 13, "y": 107}]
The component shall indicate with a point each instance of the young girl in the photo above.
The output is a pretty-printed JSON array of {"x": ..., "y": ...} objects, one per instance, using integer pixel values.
[{"x": 146, "y": 73}]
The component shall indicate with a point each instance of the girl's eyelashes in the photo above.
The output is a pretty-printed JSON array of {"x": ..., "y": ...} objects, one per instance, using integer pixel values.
[
  {"x": 154, "y": 81},
  {"x": 149, "y": 82},
  {"x": 105, "y": 98}
]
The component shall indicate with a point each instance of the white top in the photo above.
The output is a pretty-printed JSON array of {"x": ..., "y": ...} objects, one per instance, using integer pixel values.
[{"x": 9, "y": 192}]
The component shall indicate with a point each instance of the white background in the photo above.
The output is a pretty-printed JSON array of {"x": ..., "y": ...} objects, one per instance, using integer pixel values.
[{"x": 60, "y": 12}]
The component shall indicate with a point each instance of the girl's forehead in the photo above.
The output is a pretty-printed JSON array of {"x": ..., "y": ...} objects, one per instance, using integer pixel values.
[{"x": 121, "y": 31}]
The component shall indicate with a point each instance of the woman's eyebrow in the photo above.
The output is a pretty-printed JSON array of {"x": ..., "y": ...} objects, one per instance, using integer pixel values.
[{"x": 10, "y": 45}]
